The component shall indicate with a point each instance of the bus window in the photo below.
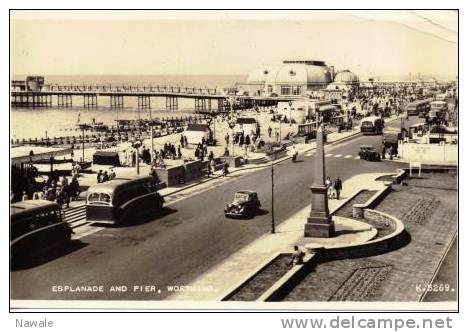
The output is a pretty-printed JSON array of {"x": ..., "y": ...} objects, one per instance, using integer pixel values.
[{"x": 99, "y": 198}]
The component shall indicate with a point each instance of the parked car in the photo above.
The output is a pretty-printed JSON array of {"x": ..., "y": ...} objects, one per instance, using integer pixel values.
[
  {"x": 245, "y": 204},
  {"x": 368, "y": 152}
]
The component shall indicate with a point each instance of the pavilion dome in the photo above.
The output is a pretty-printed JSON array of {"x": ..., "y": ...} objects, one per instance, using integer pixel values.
[
  {"x": 346, "y": 77},
  {"x": 263, "y": 74},
  {"x": 303, "y": 74},
  {"x": 306, "y": 72}
]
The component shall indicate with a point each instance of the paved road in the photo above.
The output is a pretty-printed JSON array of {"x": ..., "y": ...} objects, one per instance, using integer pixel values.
[
  {"x": 447, "y": 276},
  {"x": 192, "y": 235}
]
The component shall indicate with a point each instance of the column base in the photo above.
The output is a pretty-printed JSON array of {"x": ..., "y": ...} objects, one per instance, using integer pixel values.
[{"x": 323, "y": 228}]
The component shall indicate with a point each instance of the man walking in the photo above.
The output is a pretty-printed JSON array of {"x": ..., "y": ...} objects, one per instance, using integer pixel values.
[{"x": 338, "y": 186}]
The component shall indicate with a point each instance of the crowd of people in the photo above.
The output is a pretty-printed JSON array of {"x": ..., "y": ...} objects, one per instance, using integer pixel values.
[
  {"x": 62, "y": 191},
  {"x": 104, "y": 176}
]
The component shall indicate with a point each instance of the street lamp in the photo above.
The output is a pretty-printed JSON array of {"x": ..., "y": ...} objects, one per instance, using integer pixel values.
[
  {"x": 232, "y": 124},
  {"x": 213, "y": 118},
  {"x": 152, "y": 143},
  {"x": 137, "y": 145},
  {"x": 83, "y": 127},
  {"x": 273, "y": 192}
]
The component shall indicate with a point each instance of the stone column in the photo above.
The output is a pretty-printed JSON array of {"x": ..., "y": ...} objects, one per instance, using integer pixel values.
[{"x": 319, "y": 222}]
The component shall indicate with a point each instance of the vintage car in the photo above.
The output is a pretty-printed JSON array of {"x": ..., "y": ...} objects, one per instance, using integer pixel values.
[
  {"x": 368, "y": 152},
  {"x": 245, "y": 204}
]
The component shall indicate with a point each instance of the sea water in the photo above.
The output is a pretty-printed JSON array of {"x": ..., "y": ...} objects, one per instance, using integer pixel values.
[{"x": 53, "y": 121}]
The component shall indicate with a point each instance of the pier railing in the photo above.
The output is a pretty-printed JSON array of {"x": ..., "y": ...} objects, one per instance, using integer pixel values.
[{"x": 52, "y": 87}]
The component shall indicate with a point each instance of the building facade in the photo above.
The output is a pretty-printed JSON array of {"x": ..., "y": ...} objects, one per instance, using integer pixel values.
[{"x": 291, "y": 78}]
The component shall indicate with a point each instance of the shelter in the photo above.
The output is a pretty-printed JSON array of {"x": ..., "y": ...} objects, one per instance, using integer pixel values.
[
  {"x": 246, "y": 125},
  {"x": 106, "y": 158},
  {"x": 196, "y": 132}
]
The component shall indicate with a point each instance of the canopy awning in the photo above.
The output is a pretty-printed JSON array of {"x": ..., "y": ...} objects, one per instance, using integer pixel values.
[{"x": 326, "y": 108}]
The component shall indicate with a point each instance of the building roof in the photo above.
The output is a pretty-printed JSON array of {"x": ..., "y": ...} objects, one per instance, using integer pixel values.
[
  {"x": 263, "y": 74},
  {"x": 296, "y": 72},
  {"x": 347, "y": 77},
  {"x": 246, "y": 120},
  {"x": 197, "y": 127}
]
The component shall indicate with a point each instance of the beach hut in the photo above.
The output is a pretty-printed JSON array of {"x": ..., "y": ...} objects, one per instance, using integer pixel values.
[{"x": 196, "y": 132}]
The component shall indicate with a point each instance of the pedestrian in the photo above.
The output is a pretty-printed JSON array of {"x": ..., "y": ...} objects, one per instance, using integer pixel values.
[
  {"x": 99, "y": 176},
  {"x": 179, "y": 152},
  {"x": 241, "y": 139},
  {"x": 64, "y": 181},
  {"x": 338, "y": 186},
  {"x": 225, "y": 169},
  {"x": 111, "y": 174},
  {"x": 36, "y": 195},
  {"x": 297, "y": 257},
  {"x": 208, "y": 169},
  {"x": 185, "y": 139},
  {"x": 74, "y": 189},
  {"x": 59, "y": 199},
  {"x": 65, "y": 195},
  {"x": 213, "y": 164},
  {"x": 105, "y": 177},
  {"x": 134, "y": 157},
  {"x": 226, "y": 138},
  {"x": 269, "y": 131},
  {"x": 182, "y": 140},
  {"x": 330, "y": 190}
]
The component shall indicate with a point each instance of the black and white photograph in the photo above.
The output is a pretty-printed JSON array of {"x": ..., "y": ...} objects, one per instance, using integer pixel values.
[{"x": 253, "y": 159}]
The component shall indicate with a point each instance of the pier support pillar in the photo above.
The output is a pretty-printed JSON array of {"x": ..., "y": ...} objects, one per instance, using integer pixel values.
[
  {"x": 64, "y": 100},
  {"x": 144, "y": 102},
  {"x": 89, "y": 100},
  {"x": 172, "y": 103},
  {"x": 116, "y": 101}
]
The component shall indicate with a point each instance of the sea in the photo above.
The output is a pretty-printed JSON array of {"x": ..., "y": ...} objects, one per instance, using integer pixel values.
[{"x": 49, "y": 122}]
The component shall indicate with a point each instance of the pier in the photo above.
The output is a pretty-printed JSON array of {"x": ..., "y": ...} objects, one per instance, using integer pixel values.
[{"x": 205, "y": 99}]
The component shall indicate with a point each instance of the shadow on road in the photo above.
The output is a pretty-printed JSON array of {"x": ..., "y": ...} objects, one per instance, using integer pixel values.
[
  {"x": 262, "y": 212},
  {"x": 22, "y": 263},
  {"x": 145, "y": 219}
]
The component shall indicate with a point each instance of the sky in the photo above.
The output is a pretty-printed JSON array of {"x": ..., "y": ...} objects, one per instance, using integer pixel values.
[{"x": 369, "y": 43}]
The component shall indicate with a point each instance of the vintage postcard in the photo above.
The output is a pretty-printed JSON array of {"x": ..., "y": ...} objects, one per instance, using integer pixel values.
[{"x": 193, "y": 160}]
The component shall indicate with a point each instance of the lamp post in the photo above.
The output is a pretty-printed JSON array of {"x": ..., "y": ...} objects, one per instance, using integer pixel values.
[
  {"x": 290, "y": 105},
  {"x": 137, "y": 145},
  {"x": 83, "y": 127},
  {"x": 232, "y": 124},
  {"x": 152, "y": 143},
  {"x": 273, "y": 193},
  {"x": 82, "y": 142},
  {"x": 214, "y": 128}
]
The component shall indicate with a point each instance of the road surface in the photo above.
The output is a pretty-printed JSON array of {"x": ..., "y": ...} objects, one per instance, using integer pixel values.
[{"x": 189, "y": 238}]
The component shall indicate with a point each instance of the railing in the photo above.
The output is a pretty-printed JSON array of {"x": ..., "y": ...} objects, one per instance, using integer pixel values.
[{"x": 129, "y": 89}]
